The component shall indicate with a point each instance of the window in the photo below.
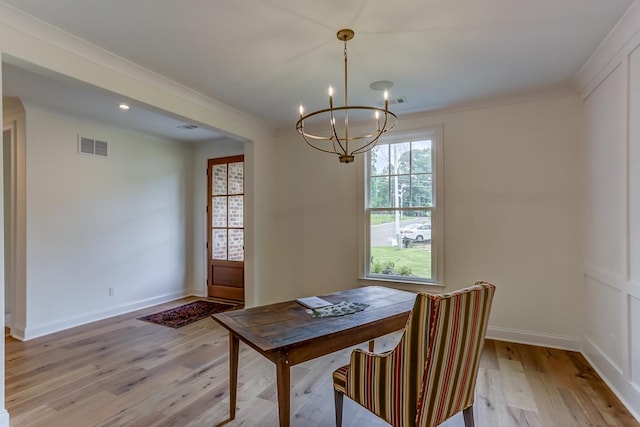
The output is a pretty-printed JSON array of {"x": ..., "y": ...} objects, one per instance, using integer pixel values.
[
  {"x": 227, "y": 197},
  {"x": 404, "y": 209}
]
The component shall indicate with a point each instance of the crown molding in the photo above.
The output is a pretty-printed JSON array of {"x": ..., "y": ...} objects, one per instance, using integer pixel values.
[
  {"x": 560, "y": 90},
  {"x": 610, "y": 50}
]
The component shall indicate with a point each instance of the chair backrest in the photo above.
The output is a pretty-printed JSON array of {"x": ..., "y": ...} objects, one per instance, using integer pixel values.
[{"x": 457, "y": 323}]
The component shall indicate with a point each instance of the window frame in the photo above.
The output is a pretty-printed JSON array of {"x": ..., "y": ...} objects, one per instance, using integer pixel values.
[{"x": 435, "y": 134}]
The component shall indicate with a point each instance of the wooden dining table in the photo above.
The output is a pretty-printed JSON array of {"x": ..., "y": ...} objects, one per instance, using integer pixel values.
[{"x": 287, "y": 335}]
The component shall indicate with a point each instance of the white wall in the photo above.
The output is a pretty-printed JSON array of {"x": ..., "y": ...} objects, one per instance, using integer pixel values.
[
  {"x": 512, "y": 215},
  {"x": 95, "y": 223},
  {"x": 610, "y": 86}
]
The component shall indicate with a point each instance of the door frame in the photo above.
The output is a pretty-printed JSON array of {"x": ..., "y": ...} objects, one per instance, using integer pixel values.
[{"x": 8, "y": 169}]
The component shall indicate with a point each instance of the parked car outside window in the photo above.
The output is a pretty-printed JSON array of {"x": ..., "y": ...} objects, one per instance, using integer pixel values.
[{"x": 418, "y": 232}]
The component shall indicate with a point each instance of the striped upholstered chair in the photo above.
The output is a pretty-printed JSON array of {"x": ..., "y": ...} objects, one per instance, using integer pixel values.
[{"x": 431, "y": 374}]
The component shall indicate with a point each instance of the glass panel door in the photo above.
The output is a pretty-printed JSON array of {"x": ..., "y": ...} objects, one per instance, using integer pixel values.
[{"x": 225, "y": 246}]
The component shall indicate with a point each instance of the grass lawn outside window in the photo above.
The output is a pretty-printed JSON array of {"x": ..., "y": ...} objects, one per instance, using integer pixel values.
[{"x": 415, "y": 261}]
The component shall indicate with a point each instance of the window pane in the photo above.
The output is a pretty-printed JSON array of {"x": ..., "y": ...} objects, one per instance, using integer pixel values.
[
  {"x": 236, "y": 178},
  {"x": 236, "y": 245},
  {"x": 383, "y": 230},
  {"x": 421, "y": 190},
  {"x": 219, "y": 216},
  {"x": 380, "y": 192},
  {"x": 400, "y": 191},
  {"x": 219, "y": 179},
  {"x": 236, "y": 212},
  {"x": 380, "y": 160},
  {"x": 219, "y": 244},
  {"x": 400, "y": 155},
  {"x": 421, "y": 157},
  {"x": 401, "y": 244}
]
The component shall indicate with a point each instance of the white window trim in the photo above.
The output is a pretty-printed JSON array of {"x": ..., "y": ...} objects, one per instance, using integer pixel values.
[{"x": 437, "y": 230}]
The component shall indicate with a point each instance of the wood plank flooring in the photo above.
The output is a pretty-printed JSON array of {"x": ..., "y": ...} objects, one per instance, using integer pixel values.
[{"x": 126, "y": 372}]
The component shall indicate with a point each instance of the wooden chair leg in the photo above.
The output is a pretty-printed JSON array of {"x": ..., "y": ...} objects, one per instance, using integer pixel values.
[
  {"x": 468, "y": 417},
  {"x": 339, "y": 399}
]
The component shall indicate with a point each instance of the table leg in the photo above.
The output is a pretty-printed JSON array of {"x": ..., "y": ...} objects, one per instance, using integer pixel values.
[
  {"x": 372, "y": 345},
  {"x": 283, "y": 380},
  {"x": 234, "y": 346}
]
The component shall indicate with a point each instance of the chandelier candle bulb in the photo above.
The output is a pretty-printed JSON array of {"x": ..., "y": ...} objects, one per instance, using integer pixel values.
[{"x": 331, "y": 99}]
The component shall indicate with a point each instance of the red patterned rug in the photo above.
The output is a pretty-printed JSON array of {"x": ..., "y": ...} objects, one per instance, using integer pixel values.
[{"x": 185, "y": 314}]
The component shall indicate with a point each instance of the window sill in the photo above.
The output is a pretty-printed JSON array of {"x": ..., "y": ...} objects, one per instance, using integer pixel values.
[{"x": 402, "y": 285}]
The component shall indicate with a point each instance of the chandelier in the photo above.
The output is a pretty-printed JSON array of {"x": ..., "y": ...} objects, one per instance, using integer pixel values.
[{"x": 337, "y": 139}]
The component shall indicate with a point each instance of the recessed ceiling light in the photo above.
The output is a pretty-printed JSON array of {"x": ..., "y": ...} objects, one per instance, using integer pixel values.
[
  {"x": 381, "y": 85},
  {"x": 124, "y": 106}
]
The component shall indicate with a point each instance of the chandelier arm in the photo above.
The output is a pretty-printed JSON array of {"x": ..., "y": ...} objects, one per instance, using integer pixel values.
[
  {"x": 349, "y": 107},
  {"x": 304, "y": 136},
  {"x": 367, "y": 146},
  {"x": 375, "y": 140},
  {"x": 346, "y": 102},
  {"x": 334, "y": 133},
  {"x": 335, "y": 139}
]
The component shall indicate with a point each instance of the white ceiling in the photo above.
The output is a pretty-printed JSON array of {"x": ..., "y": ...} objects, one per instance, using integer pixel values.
[
  {"x": 45, "y": 89},
  {"x": 265, "y": 57}
]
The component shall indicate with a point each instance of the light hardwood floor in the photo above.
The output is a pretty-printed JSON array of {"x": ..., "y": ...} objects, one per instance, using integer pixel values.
[{"x": 125, "y": 372}]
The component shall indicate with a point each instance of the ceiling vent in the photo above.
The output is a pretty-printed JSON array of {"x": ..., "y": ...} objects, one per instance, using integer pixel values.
[
  {"x": 395, "y": 101},
  {"x": 92, "y": 147}
]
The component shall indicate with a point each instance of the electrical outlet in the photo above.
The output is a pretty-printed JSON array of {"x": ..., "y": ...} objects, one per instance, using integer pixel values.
[{"x": 112, "y": 291}]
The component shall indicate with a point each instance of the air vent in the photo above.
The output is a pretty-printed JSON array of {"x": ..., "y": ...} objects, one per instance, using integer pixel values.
[
  {"x": 101, "y": 148},
  {"x": 92, "y": 146},
  {"x": 188, "y": 127},
  {"x": 86, "y": 145},
  {"x": 394, "y": 101}
]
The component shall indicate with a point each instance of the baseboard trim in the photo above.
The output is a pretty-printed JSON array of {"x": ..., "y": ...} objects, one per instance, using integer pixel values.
[
  {"x": 4, "y": 418},
  {"x": 611, "y": 374},
  {"x": 31, "y": 332},
  {"x": 534, "y": 338}
]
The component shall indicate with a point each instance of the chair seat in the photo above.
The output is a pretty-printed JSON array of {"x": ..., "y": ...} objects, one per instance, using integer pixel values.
[{"x": 340, "y": 379}]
